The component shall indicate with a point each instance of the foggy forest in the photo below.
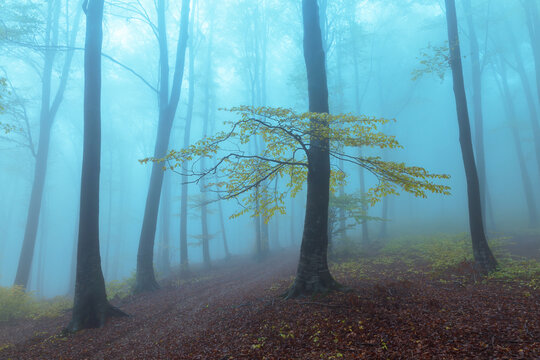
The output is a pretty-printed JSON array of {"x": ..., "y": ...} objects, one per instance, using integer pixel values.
[{"x": 269, "y": 179}]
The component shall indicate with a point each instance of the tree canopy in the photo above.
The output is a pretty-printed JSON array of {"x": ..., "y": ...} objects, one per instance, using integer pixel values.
[{"x": 288, "y": 134}]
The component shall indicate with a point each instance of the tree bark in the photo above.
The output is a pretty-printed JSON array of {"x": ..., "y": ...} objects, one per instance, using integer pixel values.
[
  {"x": 47, "y": 115},
  {"x": 485, "y": 262},
  {"x": 476, "y": 72},
  {"x": 91, "y": 308},
  {"x": 313, "y": 275},
  {"x": 145, "y": 276}
]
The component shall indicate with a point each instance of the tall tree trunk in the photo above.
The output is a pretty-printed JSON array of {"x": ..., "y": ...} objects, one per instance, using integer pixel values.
[
  {"x": 47, "y": 115},
  {"x": 509, "y": 108},
  {"x": 91, "y": 308},
  {"x": 358, "y": 103},
  {"x": 73, "y": 265},
  {"x": 483, "y": 257},
  {"x": 313, "y": 275},
  {"x": 106, "y": 261},
  {"x": 223, "y": 231},
  {"x": 292, "y": 218},
  {"x": 145, "y": 276},
  {"x": 533, "y": 25},
  {"x": 476, "y": 72},
  {"x": 184, "y": 258},
  {"x": 164, "y": 261},
  {"x": 206, "y": 120},
  {"x": 533, "y": 114}
]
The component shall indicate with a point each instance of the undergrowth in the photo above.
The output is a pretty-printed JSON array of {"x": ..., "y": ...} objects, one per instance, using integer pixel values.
[
  {"x": 15, "y": 303},
  {"x": 439, "y": 256},
  {"x": 120, "y": 289}
]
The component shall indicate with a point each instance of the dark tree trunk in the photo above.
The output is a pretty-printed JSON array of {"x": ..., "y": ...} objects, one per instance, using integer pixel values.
[
  {"x": 145, "y": 276},
  {"x": 313, "y": 275},
  {"x": 483, "y": 257},
  {"x": 73, "y": 265},
  {"x": 47, "y": 115},
  {"x": 511, "y": 116},
  {"x": 476, "y": 72},
  {"x": 91, "y": 308},
  {"x": 291, "y": 217},
  {"x": 106, "y": 261},
  {"x": 184, "y": 258}
]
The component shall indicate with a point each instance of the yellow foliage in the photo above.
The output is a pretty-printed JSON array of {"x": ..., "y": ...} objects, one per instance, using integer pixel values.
[
  {"x": 288, "y": 137},
  {"x": 17, "y": 304}
]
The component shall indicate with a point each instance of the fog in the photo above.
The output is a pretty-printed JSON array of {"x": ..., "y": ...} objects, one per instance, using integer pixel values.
[{"x": 250, "y": 53}]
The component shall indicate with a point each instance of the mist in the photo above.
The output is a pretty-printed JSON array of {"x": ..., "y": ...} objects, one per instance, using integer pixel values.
[{"x": 384, "y": 59}]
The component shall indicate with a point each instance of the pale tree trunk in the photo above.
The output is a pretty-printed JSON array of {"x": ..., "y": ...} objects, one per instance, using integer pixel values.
[
  {"x": 533, "y": 25},
  {"x": 223, "y": 231},
  {"x": 184, "y": 258},
  {"x": 91, "y": 308},
  {"x": 358, "y": 103},
  {"x": 145, "y": 276},
  {"x": 313, "y": 275},
  {"x": 533, "y": 114},
  {"x": 164, "y": 261},
  {"x": 483, "y": 257},
  {"x": 510, "y": 111},
  {"x": 206, "y": 119},
  {"x": 48, "y": 113}
]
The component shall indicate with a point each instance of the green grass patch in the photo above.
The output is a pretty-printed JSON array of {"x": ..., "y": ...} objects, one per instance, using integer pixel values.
[{"x": 17, "y": 304}]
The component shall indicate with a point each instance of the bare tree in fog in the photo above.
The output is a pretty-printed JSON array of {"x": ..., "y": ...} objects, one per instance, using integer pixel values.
[
  {"x": 168, "y": 103},
  {"x": 49, "y": 107}
]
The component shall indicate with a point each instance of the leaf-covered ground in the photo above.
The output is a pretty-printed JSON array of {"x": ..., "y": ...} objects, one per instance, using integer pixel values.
[{"x": 400, "y": 307}]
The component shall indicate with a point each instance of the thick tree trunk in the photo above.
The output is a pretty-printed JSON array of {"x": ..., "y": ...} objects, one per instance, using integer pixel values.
[
  {"x": 483, "y": 257},
  {"x": 145, "y": 276},
  {"x": 47, "y": 116},
  {"x": 313, "y": 275},
  {"x": 511, "y": 115},
  {"x": 91, "y": 308}
]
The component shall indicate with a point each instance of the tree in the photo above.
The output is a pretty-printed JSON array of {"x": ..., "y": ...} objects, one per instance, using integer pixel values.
[
  {"x": 290, "y": 137},
  {"x": 300, "y": 147},
  {"x": 145, "y": 276},
  {"x": 50, "y": 104},
  {"x": 184, "y": 258},
  {"x": 485, "y": 261},
  {"x": 509, "y": 107},
  {"x": 91, "y": 308},
  {"x": 476, "y": 72},
  {"x": 533, "y": 26},
  {"x": 344, "y": 207}
]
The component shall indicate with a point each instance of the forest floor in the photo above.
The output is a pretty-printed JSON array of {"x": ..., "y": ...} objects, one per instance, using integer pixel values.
[{"x": 401, "y": 307}]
